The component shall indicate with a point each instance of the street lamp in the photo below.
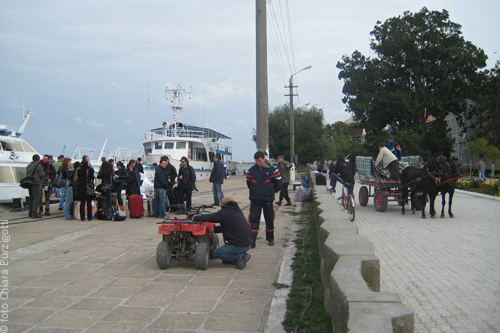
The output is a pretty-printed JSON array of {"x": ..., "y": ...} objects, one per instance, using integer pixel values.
[{"x": 292, "y": 126}]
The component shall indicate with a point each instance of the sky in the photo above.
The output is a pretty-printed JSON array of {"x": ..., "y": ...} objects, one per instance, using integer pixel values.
[{"x": 86, "y": 69}]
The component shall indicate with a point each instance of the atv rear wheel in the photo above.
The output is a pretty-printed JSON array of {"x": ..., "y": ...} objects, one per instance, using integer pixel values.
[
  {"x": 214, "y": 242},
  {"x": 202, "y": 256},
  {"x": 164, "y": 255}
]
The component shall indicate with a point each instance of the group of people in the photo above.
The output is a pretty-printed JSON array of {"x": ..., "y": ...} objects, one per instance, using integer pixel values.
[
  {"x": 76, "y": 181},
  {"x": 165, "y": 179}
]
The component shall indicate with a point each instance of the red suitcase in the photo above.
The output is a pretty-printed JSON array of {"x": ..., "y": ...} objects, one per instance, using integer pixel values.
[{"x": 136, "y": 206}]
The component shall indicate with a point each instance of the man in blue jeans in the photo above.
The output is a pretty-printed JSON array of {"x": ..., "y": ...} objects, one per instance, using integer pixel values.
[
  {"x": 217, "y": 179},
  {"x": 161, "y": 186},
  {"x": 235, "y": 230}
]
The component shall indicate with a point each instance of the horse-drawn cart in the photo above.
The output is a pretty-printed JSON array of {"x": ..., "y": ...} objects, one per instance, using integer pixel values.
[{"x": 375, "y": 182}]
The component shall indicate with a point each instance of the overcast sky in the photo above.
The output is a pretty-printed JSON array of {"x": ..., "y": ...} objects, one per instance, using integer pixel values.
[{"x": 86, "y": 67}]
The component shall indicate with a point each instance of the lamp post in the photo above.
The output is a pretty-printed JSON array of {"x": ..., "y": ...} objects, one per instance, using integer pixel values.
[{"x": 292, "y": 125}]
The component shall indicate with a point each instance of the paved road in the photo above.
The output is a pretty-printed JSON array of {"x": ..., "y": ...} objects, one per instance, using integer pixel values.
[
  {"x": 100, "y": 276},
  {"x": 447, "y": 270}
]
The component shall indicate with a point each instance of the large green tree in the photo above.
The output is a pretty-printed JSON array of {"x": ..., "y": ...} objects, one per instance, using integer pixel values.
[
  {"x": 422, "y": 66},
  {"x": 488, "y": 107},
  {"x": 311, "y": 143}
]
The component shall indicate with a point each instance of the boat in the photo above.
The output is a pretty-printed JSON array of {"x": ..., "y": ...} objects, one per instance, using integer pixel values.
[
  {"x": 15, "y": 155},
  {"x": 175, "y": 140}
]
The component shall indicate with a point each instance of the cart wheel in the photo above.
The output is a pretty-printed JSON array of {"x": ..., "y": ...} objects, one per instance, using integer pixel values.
[
  {"x": 380, "y": 201},
  {"x": 202, "y": 256},
  {"x": 214, "y": 241},
  {"x": 164, "y": 255},
  {"x": 363, "y": 196},
  {"x": 351, "y": 209}
]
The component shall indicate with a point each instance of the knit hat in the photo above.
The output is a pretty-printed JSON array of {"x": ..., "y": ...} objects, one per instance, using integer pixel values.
[
  {"x": 281, "y": 156},
  {"x": 224, "y": 201}
]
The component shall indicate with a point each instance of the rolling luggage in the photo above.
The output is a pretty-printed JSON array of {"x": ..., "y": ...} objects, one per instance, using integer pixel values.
[
  {"x": 136, "y": 206},
  {"x": 320, "y": 179},
  {"x": 151, "y": 203}
]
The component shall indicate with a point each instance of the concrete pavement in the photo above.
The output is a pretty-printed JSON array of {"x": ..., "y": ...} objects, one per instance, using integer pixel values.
[
  {"x": 101, "y": 276},
  {"x": 447, "y": 270}
]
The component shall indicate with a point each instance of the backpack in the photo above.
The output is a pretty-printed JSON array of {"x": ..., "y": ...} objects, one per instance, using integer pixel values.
[
  {"x": 118, "y": 213},
  {"x": 104, "y": 214}
]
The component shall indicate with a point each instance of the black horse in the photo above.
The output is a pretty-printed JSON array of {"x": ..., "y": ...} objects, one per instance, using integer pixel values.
[
  {"x": 423, "y": 180},
  {"x": 449, "y": 186}
]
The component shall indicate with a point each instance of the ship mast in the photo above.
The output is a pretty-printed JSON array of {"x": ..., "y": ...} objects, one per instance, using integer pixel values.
[{"x": 175, "y": 96}]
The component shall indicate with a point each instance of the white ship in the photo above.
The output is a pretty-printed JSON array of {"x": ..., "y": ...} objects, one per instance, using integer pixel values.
[
  {"x": 15, "y": 155},
  {"x": 198, "y": 144}
]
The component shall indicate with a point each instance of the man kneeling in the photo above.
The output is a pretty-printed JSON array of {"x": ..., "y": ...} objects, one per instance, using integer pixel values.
[{"x": 236, "y": 231}]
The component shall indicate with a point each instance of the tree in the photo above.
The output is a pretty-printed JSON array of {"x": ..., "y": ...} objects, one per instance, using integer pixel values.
[
  {"x": 311, "y": 143},
  {"x": 423, "y": 66},
  {"x": 488, "y": 107},
  {"x": 480, "y": 148}
]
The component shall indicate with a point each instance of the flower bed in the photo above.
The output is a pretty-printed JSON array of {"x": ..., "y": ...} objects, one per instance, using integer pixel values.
[{"x": 490, "y": 188}]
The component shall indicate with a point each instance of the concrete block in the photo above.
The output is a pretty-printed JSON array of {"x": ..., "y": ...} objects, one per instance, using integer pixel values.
[{"x": 380, "y": 317}]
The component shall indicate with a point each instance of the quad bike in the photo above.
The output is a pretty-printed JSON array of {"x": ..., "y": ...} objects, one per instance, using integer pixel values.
[{"x": 187, "y": 239}]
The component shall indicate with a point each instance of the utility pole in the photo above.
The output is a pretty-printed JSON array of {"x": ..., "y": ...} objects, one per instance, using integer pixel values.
[
  {"x": 262, "y": 86},
  {"x": 292, "y": 121}
]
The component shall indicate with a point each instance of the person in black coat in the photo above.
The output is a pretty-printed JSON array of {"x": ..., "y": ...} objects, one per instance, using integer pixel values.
[
  {"x": 346, "y": 172},
  {"x": 134, "y": 179},
  {"x": 237, "y": 234},
  {"x": 85, "y": 178},
  {"x": 187, "y": 179},
  {"x": 120, "y": 180},
  {"x": 171, "y": 175},
  {"x": 106, "y": 175}
]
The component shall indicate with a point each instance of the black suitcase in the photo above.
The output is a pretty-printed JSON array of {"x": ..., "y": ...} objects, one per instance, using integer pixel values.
[{"x": 320, "y": 179}]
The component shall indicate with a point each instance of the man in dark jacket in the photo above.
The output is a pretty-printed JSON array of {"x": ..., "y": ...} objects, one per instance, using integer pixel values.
[
  {"x": 161, "y": 186},
  {"x": 187, "y": 179},
  {"x": 50, "y": 176},
  {"x": 171, "y": 175},
  {"x": 217, "y": 178},
  {"x": 35, "y": 169},
  {"x": 346, "y": 172},
  {"x": 235, "y": 230},
  {"x": 263, "y": 181}
]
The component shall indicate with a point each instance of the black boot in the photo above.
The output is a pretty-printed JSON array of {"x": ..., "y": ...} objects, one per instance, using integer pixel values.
[{"x": 278, "y": 202}]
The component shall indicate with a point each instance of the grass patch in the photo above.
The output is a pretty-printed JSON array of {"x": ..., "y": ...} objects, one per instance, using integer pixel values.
[{"x": 306, "y": 271}]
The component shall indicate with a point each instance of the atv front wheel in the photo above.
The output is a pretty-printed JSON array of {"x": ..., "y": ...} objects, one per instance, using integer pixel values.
[
  {"x": 164, "y": 255},
  {"x": 202, "y": 256}
]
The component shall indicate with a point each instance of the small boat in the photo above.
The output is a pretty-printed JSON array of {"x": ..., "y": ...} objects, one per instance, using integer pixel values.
[
  {"x": 198, "y": 144},
  {"x": 15, "y": 155}
]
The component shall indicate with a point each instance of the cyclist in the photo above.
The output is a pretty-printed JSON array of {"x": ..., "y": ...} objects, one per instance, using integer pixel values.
[{"x": 344, "y": 173}]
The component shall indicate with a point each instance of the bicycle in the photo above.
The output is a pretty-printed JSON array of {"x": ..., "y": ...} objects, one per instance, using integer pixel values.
[{"x": 348, "y": 201}]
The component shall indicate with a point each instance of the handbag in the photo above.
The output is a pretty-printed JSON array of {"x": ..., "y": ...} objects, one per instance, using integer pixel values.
[
  {"x": 89, "y": 191},
  {"x": 28, "y": 181},
  {"x": 62, "y": 182}
]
